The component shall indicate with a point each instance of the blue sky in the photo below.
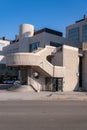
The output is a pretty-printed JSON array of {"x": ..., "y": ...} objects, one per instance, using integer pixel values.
[{"x": 54, "y": 14}]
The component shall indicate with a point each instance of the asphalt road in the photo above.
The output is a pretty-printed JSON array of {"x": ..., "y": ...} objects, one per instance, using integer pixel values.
[{"x": 43, "y": 115}]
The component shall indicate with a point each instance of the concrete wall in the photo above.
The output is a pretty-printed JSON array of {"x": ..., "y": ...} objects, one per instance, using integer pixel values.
[
  {"x": 12, "y": 48},
  {"x": 57, "y": 59},
  {"x": 45, "y": 38},
  {"x": 48, "y": 50},
  {"x": 26, "y": 30},
  {"x": 71, "y": 64},
  {"x": 59, "y": 71},
  {"x": 84, "y": 71},
  {"x": 37, "y": 83},
  {"x": 53, "y": 38},
  {"x": 23, "y": 44},
  {"x": 29, "y": 59}
]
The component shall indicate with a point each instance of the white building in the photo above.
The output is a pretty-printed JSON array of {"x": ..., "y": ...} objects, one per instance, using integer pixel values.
[{"x": 3, "y": 42}]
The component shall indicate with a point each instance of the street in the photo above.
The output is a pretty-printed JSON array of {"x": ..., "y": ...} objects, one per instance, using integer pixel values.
[{"x": 43, "y": 115}]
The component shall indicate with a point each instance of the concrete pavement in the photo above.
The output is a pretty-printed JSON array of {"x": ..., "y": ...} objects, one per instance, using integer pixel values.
[{"x": 8, "y": 95}]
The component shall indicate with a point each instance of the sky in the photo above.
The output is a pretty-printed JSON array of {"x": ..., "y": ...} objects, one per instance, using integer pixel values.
[{"x": 53, "y": 14}]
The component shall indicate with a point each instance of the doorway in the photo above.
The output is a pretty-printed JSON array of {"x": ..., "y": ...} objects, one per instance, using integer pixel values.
[{"x": 58, "y": 84}]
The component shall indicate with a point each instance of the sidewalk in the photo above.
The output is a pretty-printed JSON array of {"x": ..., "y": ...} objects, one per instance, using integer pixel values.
[{"x": 48, "y": 96}]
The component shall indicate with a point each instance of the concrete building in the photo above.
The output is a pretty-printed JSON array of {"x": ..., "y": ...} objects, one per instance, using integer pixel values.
[
  {"x": 47, "y": 61},
  {"x": 77, "y": 33}
]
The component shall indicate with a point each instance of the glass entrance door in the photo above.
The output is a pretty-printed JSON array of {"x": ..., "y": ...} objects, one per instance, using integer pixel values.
[{"x": 58, "y": 84}]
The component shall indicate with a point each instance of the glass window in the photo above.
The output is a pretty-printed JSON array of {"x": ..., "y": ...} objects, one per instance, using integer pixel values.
[
  {"x": 73, "y": 34},
  {"x": 84, "y": 33},
  {"x": 55, "y": 44},
  {"x": 34, "y": 46}
]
